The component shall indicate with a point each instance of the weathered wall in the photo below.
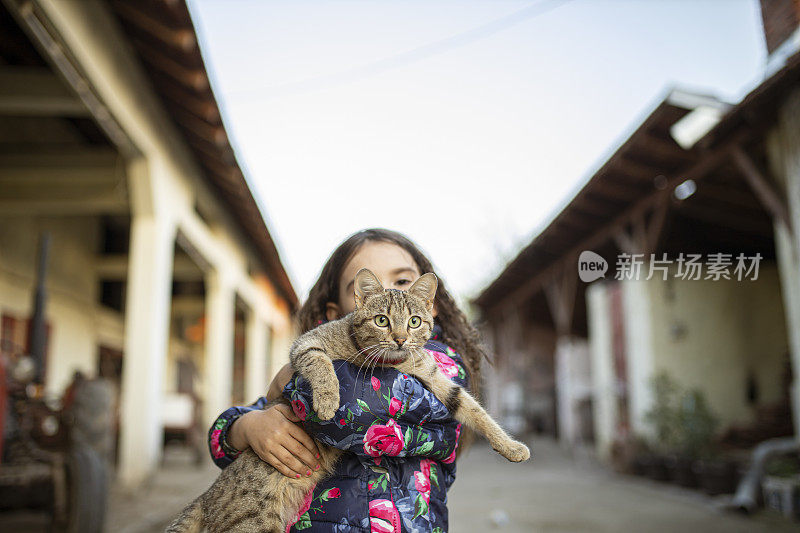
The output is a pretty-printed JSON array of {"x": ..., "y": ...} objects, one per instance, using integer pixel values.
[{"x": 709, "y": 335}]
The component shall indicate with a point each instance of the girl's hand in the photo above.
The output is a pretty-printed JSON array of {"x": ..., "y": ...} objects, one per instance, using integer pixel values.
[{"x": 277, "y": 439}]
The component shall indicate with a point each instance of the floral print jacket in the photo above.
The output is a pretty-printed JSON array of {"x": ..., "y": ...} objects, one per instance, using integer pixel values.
[{"x": 401, "y": 443}]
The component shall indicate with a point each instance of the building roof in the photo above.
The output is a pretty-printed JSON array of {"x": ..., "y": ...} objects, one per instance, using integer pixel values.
[
  {"x": 163, "y": 36},
  {"x": 633, "y": 178},
  {"x": 617, "y": 185}
]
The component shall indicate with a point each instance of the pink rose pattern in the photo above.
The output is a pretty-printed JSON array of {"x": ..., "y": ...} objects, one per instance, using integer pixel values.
[
  {"x": 383, "y": 517},
  {"x": 423, "y": 484},
  {"x": 312, "y": 504},
  {"x": 216, "y": 447},
  {"x": 299, "y": 409},
  {"x": 452, "y": 457},
  {"x": 389, "y": 418},
  {"x": 445, "y": 363},
  {"x": 394, "y": 406},
  {"x": 303, "y": 509},
  {"x": 383, "y": 439}
]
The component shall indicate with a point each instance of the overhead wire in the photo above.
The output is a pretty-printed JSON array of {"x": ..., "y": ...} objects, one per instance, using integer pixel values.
[{"x": 402, "y": 59}]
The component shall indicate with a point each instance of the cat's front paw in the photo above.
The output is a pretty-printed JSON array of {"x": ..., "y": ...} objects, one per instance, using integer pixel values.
[
  {"x": 326, "y": 402},
  {"x": 514, "y": 451}
]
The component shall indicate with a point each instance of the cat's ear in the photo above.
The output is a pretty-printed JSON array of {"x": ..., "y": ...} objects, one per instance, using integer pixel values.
[
  {"x": 366, "y": 283},
  {"x": 425, "y": 287}
]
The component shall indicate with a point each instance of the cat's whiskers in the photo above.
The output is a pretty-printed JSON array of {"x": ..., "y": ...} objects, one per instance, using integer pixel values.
[
  {"x": 365, "y": 363},
  {"x": 376, "y": 360},
  {"x": 352, "y": 358}
]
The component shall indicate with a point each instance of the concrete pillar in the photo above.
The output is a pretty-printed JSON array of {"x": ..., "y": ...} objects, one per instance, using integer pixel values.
[
  {"x": 146, "y": 339},
  {"x": 637, "y": 317},
  {"x": 492, "y": 374},
  {"x": 255, "y": 357},
  {"x": 218, "y": 371},
  {"x": 573, "y": 384},
  {"x": 603, "y": 379},
  {"x": 783, "y": 149},
  {"x": 789, "y": 269},
  {"x": 566, "y": 422}
]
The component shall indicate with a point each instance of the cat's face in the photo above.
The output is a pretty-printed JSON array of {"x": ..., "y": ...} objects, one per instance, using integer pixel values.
[{"x": 388, "y": 324}]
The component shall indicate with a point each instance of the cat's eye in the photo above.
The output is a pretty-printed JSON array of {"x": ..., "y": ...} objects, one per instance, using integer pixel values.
[
  {"x": 382, "y": 321},
  {"x": 414, "y": 322}
]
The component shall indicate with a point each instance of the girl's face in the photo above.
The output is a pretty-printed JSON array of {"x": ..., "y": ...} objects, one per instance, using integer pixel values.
[{"x": 394, "y": 266}]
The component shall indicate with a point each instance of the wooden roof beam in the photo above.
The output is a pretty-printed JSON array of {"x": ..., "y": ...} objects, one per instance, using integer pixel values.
[
  {"x": 762, "y": 187},
  {"x": 36, "y": 91},
  {"x": 721, "y": 218},
  {"x": 80, "y": 186},
  {"x": 664, "y": 148},
  {"x": 617, "y": 191},
  {"x": 212, "y": 133},
  {"x": 180, "y": 96},
  {"x": 180, "y": 38},
  {"x": 700, "y": 169},
  {"x": 194, "y": 78},
  {"x": 638, "y": 171},
  {"x": 586, "y": 204},
  {"x": 729, "y": 195},
  {"x": 115, "y": 267}
]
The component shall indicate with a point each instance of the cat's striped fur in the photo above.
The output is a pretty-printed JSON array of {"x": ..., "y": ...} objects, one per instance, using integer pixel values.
[{"x": 250, "y": 495}]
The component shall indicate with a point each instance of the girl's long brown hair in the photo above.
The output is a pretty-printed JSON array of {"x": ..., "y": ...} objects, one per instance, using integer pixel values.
[{"x": 457, "y": 332}]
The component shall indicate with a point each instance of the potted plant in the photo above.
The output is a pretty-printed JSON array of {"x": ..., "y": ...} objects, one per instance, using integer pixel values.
[
  {"x": 662, "y": 417},
  {"x": 716, "y": 473},
  {"x": 696, "y": 426},
  {"x": 683, "y": 429}
]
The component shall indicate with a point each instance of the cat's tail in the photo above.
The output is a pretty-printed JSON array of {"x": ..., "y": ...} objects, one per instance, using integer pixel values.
[{"x": 190, "y": 520}]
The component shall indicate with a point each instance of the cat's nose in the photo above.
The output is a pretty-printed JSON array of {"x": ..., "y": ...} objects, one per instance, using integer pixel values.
[{"x": 399, "y": 340}]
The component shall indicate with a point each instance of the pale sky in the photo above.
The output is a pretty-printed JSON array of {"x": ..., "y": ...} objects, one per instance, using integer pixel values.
[{"x": 464, "y": 124}]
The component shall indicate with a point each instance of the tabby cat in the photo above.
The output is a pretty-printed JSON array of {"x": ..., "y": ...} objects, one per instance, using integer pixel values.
[{"x": 387, "y": 328}]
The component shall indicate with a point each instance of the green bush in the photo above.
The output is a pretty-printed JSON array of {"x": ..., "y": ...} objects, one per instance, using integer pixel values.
[{"x": 681, "y": 419}]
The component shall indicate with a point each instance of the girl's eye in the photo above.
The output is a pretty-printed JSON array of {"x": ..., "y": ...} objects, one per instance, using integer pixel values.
[
  {"x": 403, "y": 282},
  {"x": 382, "y": 321},
  {"x": 414, "y": 322}
]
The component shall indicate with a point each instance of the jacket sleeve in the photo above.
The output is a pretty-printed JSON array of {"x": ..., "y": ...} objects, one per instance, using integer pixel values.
[
  {"x": 221, "y": 452},
  {"x": 384, "y": 411}
]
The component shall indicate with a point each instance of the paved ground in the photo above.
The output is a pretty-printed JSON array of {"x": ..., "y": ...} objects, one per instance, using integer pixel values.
[
  {"x": 551, "y": 493},
  {"x": 556, "y": 493}
]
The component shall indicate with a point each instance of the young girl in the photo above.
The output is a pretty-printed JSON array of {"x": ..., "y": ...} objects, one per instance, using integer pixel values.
[{"x": 401, "y": 458}]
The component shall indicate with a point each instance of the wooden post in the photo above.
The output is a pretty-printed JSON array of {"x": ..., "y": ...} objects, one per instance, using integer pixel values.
[
  {"x": 560, "y": 291},
  {"x": 762, "y": 186},
  {"x": 643, "y": 236}
]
